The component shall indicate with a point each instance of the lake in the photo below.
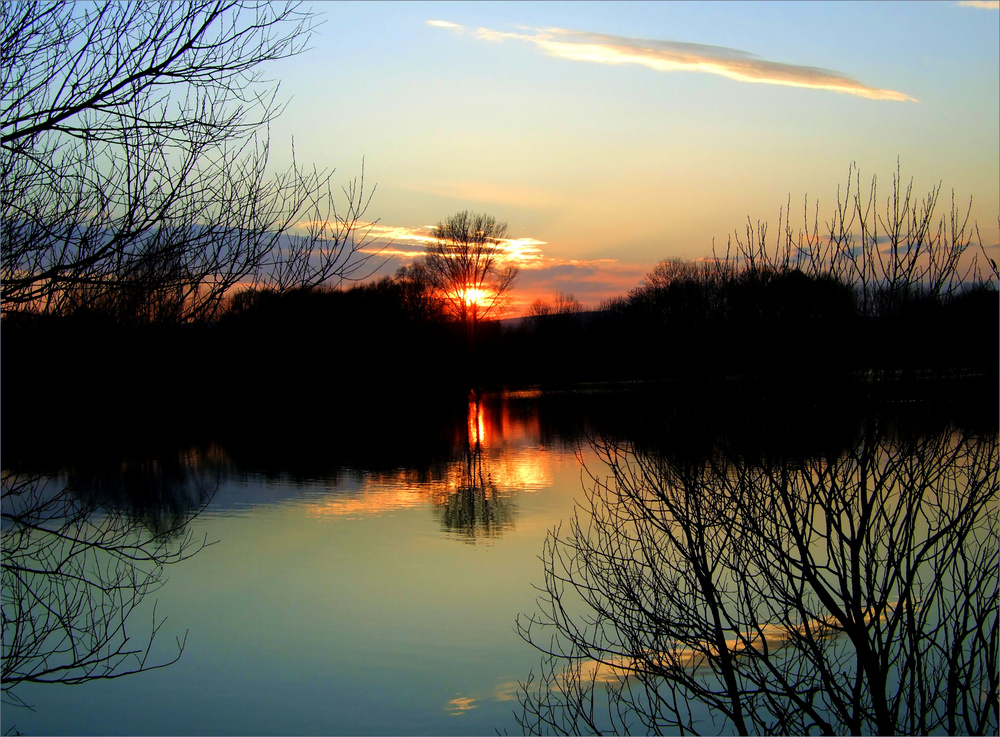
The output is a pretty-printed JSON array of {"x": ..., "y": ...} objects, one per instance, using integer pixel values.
[
  {"x": 357, "y": 602},
  {"x": 368, "y": 582}
]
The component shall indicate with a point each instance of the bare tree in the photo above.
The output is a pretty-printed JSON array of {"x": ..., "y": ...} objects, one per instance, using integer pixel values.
[
  {"x": 676, "y": 270},
  {"x": 133, "y": 168},
  {"x": 567, "y": 304},
  {"x": 854, "y": 594},
  {"x": 419, "y": 300},
  {"x": 556, "y": 313},
  {"x": 466, "y": 266},
  {"x": 890, "y": 252},
  {"x": 540, "y": 309}
]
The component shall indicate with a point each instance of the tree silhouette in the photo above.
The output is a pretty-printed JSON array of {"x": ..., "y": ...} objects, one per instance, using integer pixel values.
[
  {"x": 465, "y": 265},
  {"x": 564, "y": 306},
  {"x": 133, "y": 169},
  {"x": 855, "y": 593},
  {"x": 889, "y": 252}
]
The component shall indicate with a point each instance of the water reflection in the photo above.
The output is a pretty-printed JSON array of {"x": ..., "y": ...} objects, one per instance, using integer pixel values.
[
  {"x": 327, "y": 601},
  {"x": 460, "y": 704},
  {"x": 494, "y": 455},
  {"x": 476, "y": 508},
  {"x": 850, "y": 592},
  {"x": 80, "y": 554}
]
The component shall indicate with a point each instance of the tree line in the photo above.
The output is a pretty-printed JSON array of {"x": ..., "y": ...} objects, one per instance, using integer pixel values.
[
  {"x": 750, "y": 311},
  {"x": 883, "y": 285},
  {"x": 148, "y": 256}
]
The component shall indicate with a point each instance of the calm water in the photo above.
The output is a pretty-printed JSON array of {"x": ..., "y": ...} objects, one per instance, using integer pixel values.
[
  {"x": 370, "y": 585},
  {"x": 361, "y": 602}
]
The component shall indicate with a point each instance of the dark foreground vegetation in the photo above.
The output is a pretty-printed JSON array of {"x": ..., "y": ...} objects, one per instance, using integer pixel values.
[
  {"x": 319, "y": 348},
  {"x": 915, "y": 302}
]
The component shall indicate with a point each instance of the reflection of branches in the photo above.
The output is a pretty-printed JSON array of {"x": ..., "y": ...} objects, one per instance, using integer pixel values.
[
  {"x": 74, "y": 568},
  {"x": 161, "y": 493},
  {"x": 854, "y": 594},
  {"x": 477, "y": 508}
]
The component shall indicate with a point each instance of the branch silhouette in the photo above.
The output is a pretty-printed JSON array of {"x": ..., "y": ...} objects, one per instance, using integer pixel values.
[
  {"x": 134, "y": 159},
  {"x": 854, "y": 593}
]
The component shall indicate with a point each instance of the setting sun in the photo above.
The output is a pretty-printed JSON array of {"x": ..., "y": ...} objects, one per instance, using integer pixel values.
[{"x": 475, "y": 296}]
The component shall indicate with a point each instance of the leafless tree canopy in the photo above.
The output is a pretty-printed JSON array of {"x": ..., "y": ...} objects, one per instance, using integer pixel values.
[
  {"x": 466, "y": 267},
  {"x": 854, "y": 594},
  {"x": 889, "y": 248},
  {"x": 134, "y": 172},
  {"x": 564, "y": 304},
  {"x": 882, "y": 255},
  {"x": 133, "y": 164}
]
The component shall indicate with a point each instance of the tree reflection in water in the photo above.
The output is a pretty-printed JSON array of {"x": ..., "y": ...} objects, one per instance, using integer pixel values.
[
  {"x": 476, "y": 509},
  {"x": 849, "y": 594},
  {"x": 79, "y": 555}
]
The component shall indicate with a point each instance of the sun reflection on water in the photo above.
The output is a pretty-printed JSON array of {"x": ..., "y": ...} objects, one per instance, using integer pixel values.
[
  {"x": 498, "y": 456},
  {"x": 477, "y": 422}
]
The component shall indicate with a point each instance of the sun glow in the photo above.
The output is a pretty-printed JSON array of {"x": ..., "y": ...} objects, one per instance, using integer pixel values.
[{"x": 475, "y": 296}]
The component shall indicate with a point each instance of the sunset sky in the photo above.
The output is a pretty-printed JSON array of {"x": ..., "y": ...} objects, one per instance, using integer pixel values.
[{"x": 612, "y": 135}]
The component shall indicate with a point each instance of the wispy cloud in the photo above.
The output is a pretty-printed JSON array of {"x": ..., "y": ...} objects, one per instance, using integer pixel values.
[
  {"x": 984, "y": 4},
  {"x": 590, "y": 280},
  {"x": 673, "y": 56},
  {"x": 461, "y": 705},
  {"x": 410, "y": 242},
  {"x": 444, "y": 24}
]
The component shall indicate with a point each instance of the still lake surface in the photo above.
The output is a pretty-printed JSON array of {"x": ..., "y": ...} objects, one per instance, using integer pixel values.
[
  {"x": 357, "y": 602},
  {"x": 370, "y": 584}
]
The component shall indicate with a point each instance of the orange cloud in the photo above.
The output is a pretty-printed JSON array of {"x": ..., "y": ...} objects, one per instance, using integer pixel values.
[
  {"x": 591, "y": 281},
  {"x": 673, "y": 56},
  {"x": 410, "y": 242}
]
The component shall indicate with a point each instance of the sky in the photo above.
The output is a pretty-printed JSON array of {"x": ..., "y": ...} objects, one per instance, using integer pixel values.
[{"x": 610, "y": 136}]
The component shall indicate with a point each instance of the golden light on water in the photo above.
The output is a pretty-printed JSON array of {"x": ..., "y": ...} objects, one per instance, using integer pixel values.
[
  {"x": 460, "y": 705},
  {"x": 477, "y": 425},
  {"x": 506, "y": 447},
  {"x": 512, "y": 472}
]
